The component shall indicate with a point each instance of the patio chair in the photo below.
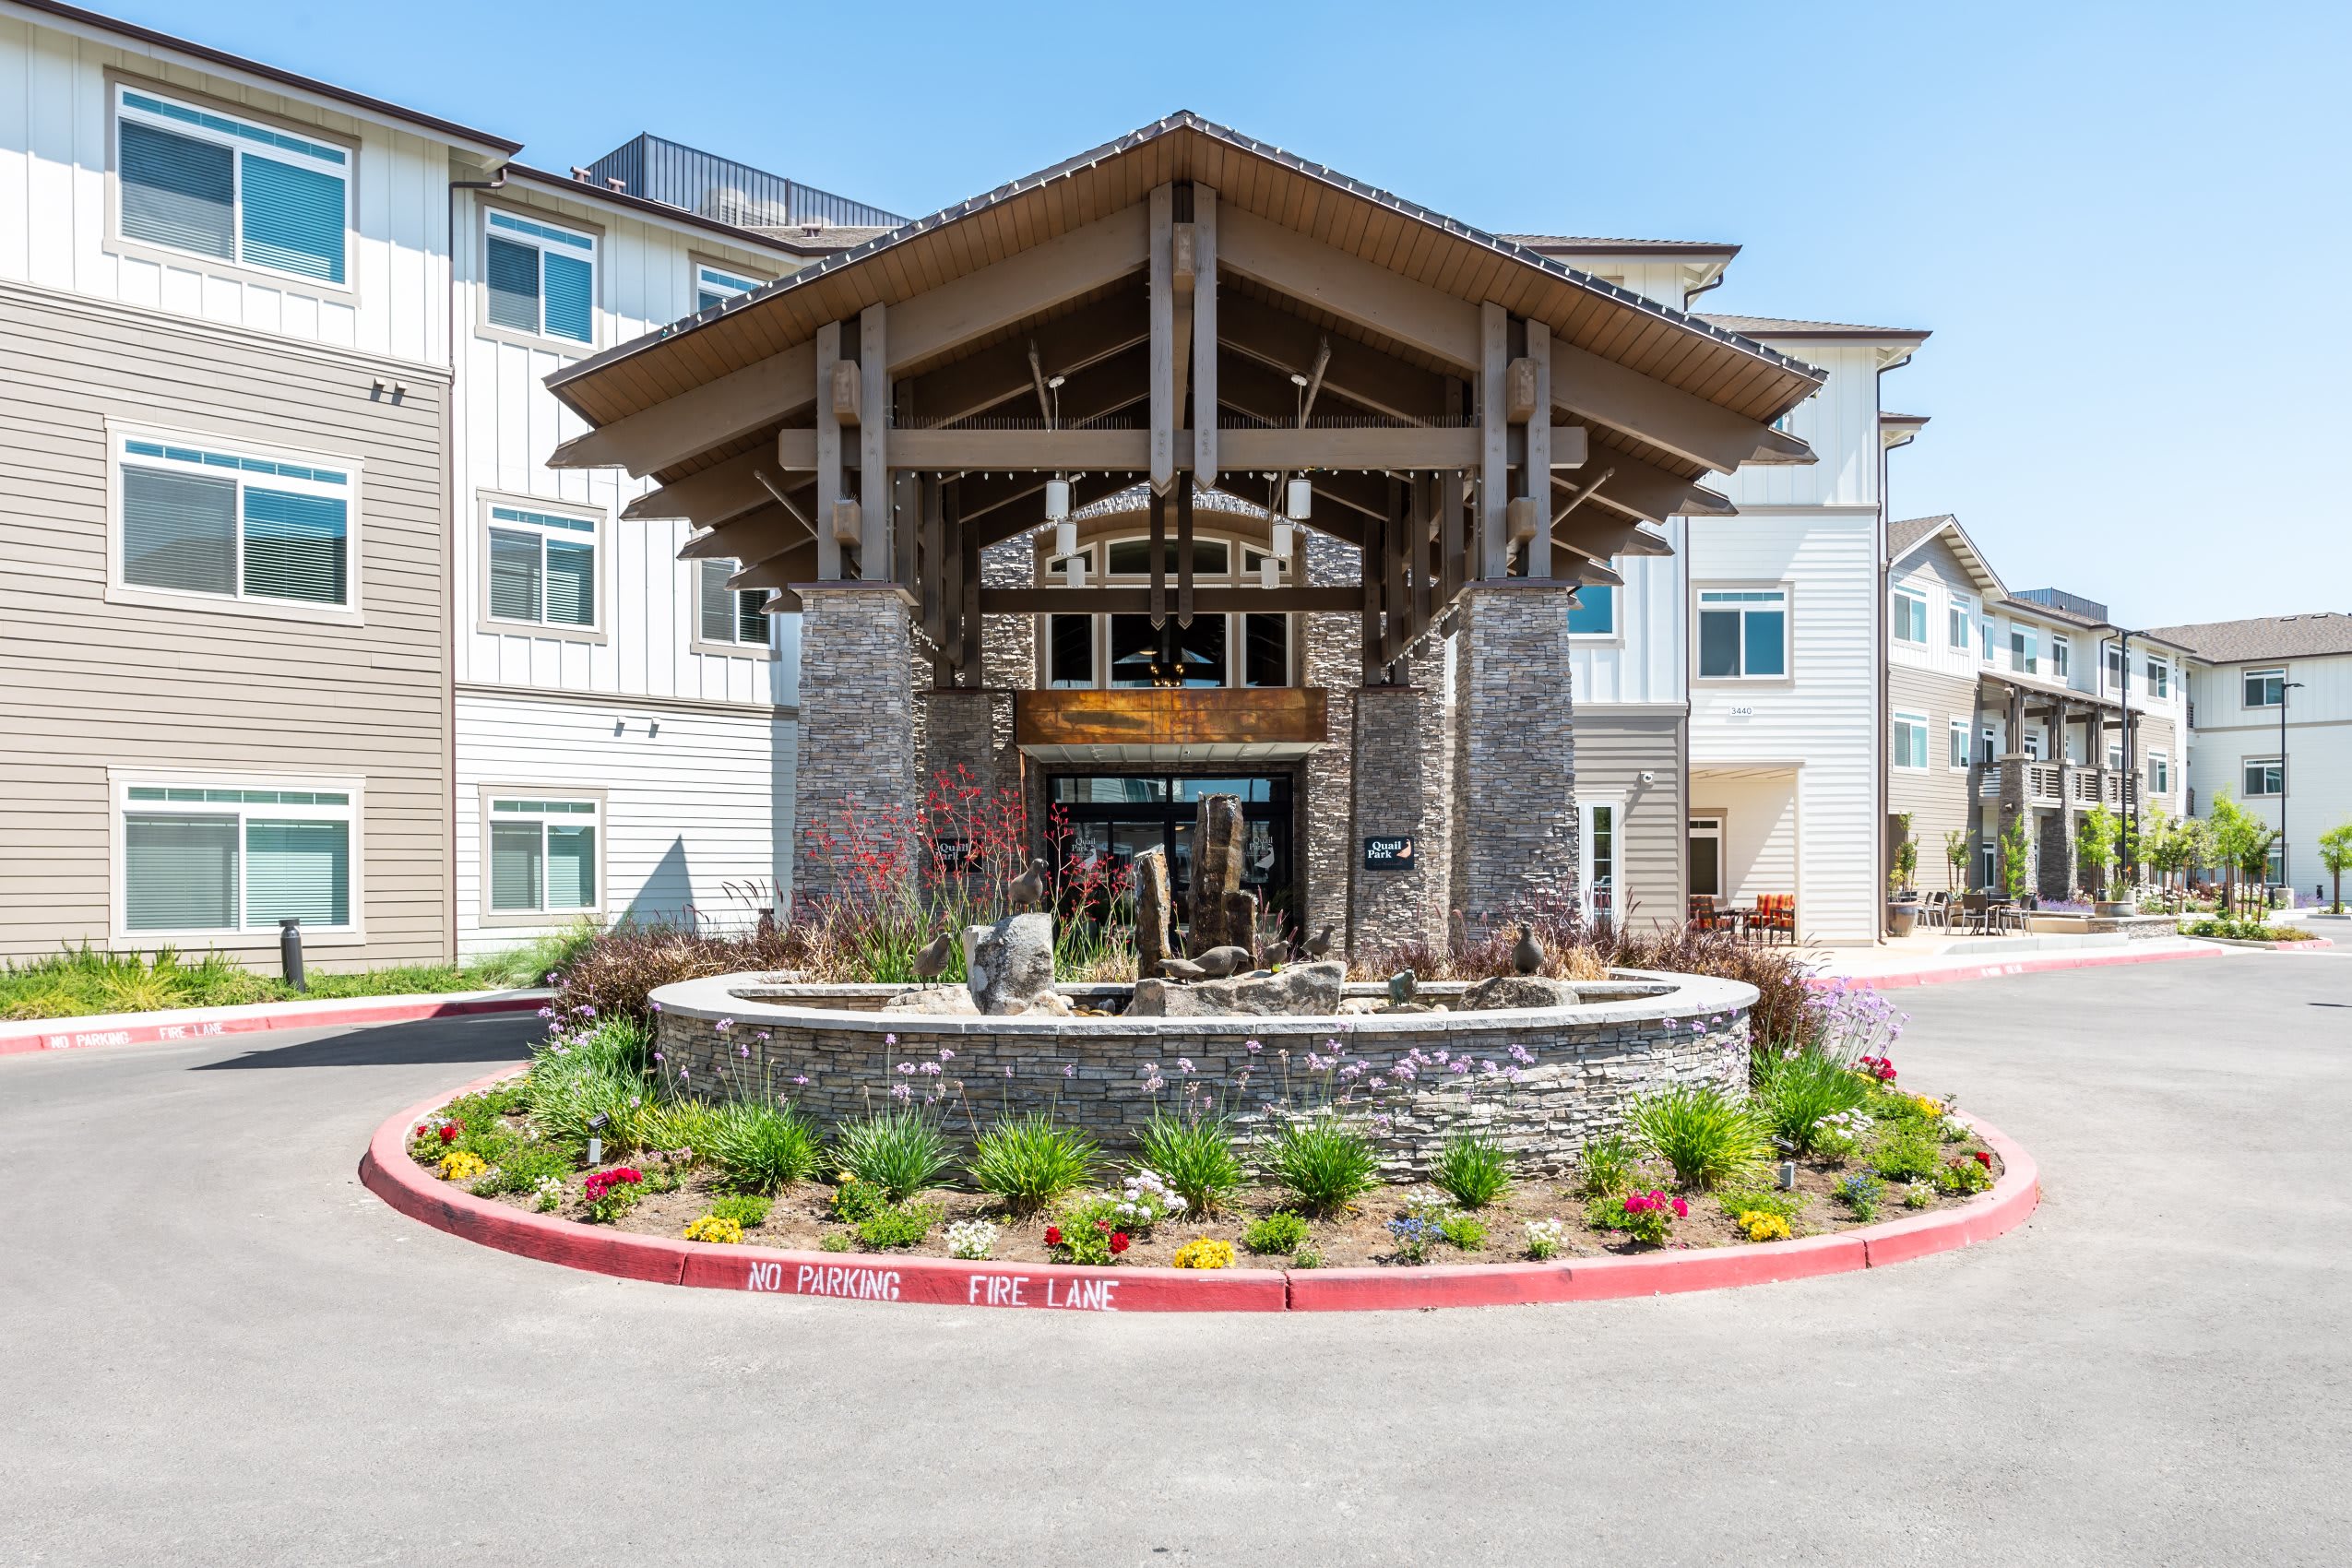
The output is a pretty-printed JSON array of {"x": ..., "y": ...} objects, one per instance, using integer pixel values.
[
  {"x": 1778, "y": 912},
  {"x": 1935, "y": 909},
  {"x": 1975, "y": 912},
  {"x": 1702, "y": 914}
]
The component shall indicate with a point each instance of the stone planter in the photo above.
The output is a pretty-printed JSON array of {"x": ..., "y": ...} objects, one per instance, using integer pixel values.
[{"x": 2113, "y": 908}]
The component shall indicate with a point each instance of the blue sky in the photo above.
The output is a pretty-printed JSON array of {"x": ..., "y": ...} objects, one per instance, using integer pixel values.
[{"x": 2124, "y": 224}]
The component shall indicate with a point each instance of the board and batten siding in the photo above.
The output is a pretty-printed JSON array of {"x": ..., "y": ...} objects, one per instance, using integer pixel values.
[
  {"x": 1642, "y": 662},
  {"x": 1839, "y": 422},
  {"x": 55, "y": 132},
  {"x": 86, "y": 685},
  {"x": 697, "y": 805}
]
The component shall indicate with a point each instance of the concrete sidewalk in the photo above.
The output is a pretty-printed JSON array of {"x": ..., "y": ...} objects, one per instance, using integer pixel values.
[{"x": 1923, "y": 960}]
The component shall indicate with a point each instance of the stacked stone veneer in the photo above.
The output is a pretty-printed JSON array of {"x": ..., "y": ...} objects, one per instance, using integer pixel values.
[
  {"x": 1587, "y": 1062},
  {"x": 1518, "y": 750},
  {"x": 856, "y": 754},
  {"x": 1401, "y": 788}
]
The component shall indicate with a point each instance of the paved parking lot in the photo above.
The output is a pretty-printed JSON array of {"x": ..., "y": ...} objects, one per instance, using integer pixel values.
[{"x": 217, "y": 1348}]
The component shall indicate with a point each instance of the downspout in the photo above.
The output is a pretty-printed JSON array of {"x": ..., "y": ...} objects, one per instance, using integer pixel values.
[
  {"x": 1883, "y": 674},
  {"x": 449, "y": 536}
]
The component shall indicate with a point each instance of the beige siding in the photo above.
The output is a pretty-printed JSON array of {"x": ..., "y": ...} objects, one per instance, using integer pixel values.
[
  {"x": 86, "y": 685},
  {"x": 1614, "y": 747},
  {"x": 1942, "y": 798}
]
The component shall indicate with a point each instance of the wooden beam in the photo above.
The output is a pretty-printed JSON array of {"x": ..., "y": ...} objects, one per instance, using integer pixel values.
[
  {"x": 955, "y": 550},
  {"x": 928, "y": 568},
  {"x": 1376, "y": 299},
  {"x": 1397, "y": 543},
  {"x": 1600, "y": 389},
  {"x": 1537, "y": 479},
  {"x": 1368, "y": 570},
  {"x": 800, "y": 503},
  {"x": 1358, "y": 372},
  {"x": 1452, "y": 543},
  {"x": 1206, "y": 453},
  {"x": 752, "y": 536},
  {"x": 827, "y": 454},
  {"x": 874, "y": 442},
  {"x": 1163, "y": 347},
  {"x": 971, "y": 643},
  {"x": 738, "y": 404},
  {"x": 906, "y": 493},
  {"x": 1131, "y": 451},
  {"x": 1391, "y": 448},
  {"x": 707, "y": 498},
  {"x": 1644, "y": 490},
  {"x": 1159, "y": 559},
  {"x": 1495, "y": 430},
  {"x": 1065, "y": 346},
  {"x": 1137, "y": 600},
  {"x": 780, "y": 570},
  {"x": 1185, "y": 550}
]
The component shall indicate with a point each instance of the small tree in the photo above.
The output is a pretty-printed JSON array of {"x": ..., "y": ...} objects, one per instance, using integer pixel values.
[
  {"x": 1956, "y": 859},
  {"x": 2241, "y": 846},
  {"x": 2335, "y": 853},
  {"x": 2014, "y": 850},
  {"x": 1907, "y": 853},
  {"x": 2095, "y": 841}
]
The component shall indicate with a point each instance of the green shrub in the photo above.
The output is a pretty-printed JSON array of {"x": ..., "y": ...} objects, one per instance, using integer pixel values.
[
  {"x": 760, "y": 1148},
  {"x": 838, "y": 1241},
  {"x": 1464, "y": 1231},
  {"x": 1029, "y": 1161},
  {"x": 687, "y": 1124},
  {"x": 1861, "y": 1193},
  {"x": 897, "y": 1224},
  {"x": 1308, "y": 1257},
  {"x": 1473, "y": 1168},
  {"x": 853, "y": 1199},
  {"x": 1961, "y": 1177},
  {"x": 1789, "y": 1206},
  {"x": 1322, "y": 1162},
  {"x": 901, "y": 1152},
  {"x": 1704, "y": 1135},
  {"x": 1280, "y": 1232},
  {"x": 1605, "y": 1166},
  {"x": 1906, "y": 1153},
  {"x": 1194, "y": 1155},
  {"x": 566, "y": 1103},
  {"x": 1090, "y": 1230},
  {"x": 1795, "y": 1092},
  {"x": 744, "y": 1209},
  {"x": 523, "y": 1166}
]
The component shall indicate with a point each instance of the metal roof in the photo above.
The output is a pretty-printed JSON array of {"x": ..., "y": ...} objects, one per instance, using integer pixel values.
[
  {"x": 1586, "y": 245},
  {"x": 2310, "y": 636},
  {"x": 1790, "y": 326}
]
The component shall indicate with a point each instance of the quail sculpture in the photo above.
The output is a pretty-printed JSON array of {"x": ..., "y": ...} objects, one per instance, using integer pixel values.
[
  {"x": 1319, "y": 944},
  {"x": 1526, "y": 954},
  {"x": 1029, "y": 889},
  {"x": 1181, "y": 969},
  {"x": 932, "y": 961},
  {"x": 1219, "y": 962}
]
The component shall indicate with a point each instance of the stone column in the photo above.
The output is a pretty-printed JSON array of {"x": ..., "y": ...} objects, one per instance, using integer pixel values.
[
  {"x": 1401, "y": 791},
  {"x": 1333, "y": 661},
  {"x": 2054, "y": 874},
  {"x": 1518, "y": 783},
  {"x": 857, "y": 730}
]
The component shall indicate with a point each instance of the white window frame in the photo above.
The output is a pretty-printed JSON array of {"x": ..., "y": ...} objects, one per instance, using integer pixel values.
[
  {"x": 2266, "y": 675},
  {"x": 489, "y": 795},
  {"x": 729, "y": 282},
  {"x": 2246, "y": 765},
  {"x": 264, "y": 135},
  {"x": 1918, "y": 601},
  {"x": 697, "y": 643},
  {"x": 2160, "y": 772},
  {"x": 1956, "y": 616},
  {"x": 2112, "y": 668},
  {"x": 2159, "y": 673},
  {"x": 120, "y": 434},
  {"x": 516, "y": 213},
  {"x": 1616, "y": 633},
  {"x": 488, "y": 504},
  {"x": 1984, "y": 640},
  {"x": 1586, "y": 868},
  {"x": 1959, "y": 745},
  {"x": 1918, "y": 724},
  {"x": 1786, "y": 604},
  {"x": 2115, "y": 755},
  {"x": 353, "y": 811},
  {"x": 2028, "y": 639},
  {"x": 1989, "y": 737},
  {"x": 2061, "y": 658}
]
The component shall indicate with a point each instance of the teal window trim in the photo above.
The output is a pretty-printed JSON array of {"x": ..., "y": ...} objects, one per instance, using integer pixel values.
[
  {"x": 714, "y": 286},
  {"x": 294, "y": 524},
  {"x": 558, "y": 299},
  {"x": 290, "y": 202},
  {"x": 287, "y": 850}
]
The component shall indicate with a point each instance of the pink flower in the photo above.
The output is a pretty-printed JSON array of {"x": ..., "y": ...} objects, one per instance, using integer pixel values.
[{"x": 1681, "y": 1209}]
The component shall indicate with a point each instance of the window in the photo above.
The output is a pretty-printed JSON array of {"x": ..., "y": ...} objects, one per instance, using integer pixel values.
[
  {"x": 219, "y": 185},
  {"x": 2159, "y": 678},
  {"x": 1597, "y": 852},
  {"x": 1070, "y": 651},
  {"x": 2034, "y": 744},
  {"x": 1910, "y": 740},
  {"x": 1911, "y": 616},
  {"x": 1595, "y": 613},
  {"x": 541, "y": 279},
  {"x": 2115, "y": 755},
  {"x": 542, "y": 568},
  {"x": 1984, "y": 640},
  {"x": 1989, "y": 744},
  {"x": 2024, "y": 649},
  {"x": 1706, "y": 855},
  {"x": 220, "y": 522},
  {"x": 2265, "y": 688},
  {"x": 730, "y": 619},
  {"x": 2265, "y": 776},
  {"x": 1743, "y": 633},
  {"x": 2274, "y": 872},
  {"x": 2159, "y": 773},
  {"x": 1955, "y": 621},
  {"x": 1237, "y": 648},
  {"x": 542, "y": 855},
  {"x": 716, "y": 286},
  {"x": 2060, "y": 657},
  {"x": 1988, "y": 865},
  {"x": 2114, "y": 668},
  {"x": 216, "y": 857},
  {"x": 1956, "y": 743}
]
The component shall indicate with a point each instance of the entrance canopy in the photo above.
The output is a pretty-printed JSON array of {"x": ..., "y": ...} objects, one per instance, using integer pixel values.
[{"x": 1185, "y": 309}]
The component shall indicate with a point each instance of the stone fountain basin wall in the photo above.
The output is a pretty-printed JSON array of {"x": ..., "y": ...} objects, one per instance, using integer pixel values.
[{"x": 744, "y": 1034}]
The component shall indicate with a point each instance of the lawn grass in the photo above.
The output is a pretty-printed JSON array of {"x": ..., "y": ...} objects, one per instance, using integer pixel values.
[{"x": 77, "y": 982}]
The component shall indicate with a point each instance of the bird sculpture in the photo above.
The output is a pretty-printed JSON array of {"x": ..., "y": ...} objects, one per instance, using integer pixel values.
[
  {"x": 1029, "y": 889},
  {"x": 1219, "y": 962},
  {"x": 1458, "y": 934},
  {"x": 1402, "y": 987},
  {"x": 932, "y": 961},
  {"x": 1182, "y": 970},
  {"x": 1319, "y": 944},
  {"x": 1526, "y": 954},
  {"x": 1278, "y": 953}
]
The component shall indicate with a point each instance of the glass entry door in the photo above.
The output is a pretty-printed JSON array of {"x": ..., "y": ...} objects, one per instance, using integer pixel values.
[{"x": 1121, "y": 815}]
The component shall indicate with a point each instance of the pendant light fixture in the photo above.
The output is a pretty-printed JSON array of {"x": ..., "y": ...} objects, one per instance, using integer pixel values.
[{"x": 1299, "y": 504}]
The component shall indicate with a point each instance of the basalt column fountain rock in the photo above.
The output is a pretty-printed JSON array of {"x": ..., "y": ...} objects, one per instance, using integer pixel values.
[
  {"x": 1218, "y": 840},
  {"x": 1155, "y": 912}
]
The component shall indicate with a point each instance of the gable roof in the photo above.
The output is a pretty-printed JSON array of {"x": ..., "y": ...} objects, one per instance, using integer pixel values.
[
  {"x": 1681, "y": 350},
  {"x": 1585, "y": 245},
  {"x": 1912, "y": 535},
  {"x": 2264, "y": 637}
]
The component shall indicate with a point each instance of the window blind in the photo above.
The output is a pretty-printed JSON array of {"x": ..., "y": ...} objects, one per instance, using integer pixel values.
[
  {"x": 751, "y": 616},
  {"x": 179, "y": 873},
  {"x": 514, "y": 866},
  {"x": 571, "y": 287},
  {"x": 176, "y": 190},
  {"x": 179, "y": 531},
  {"x": 571, "y": 867},
  {"x": 295, "y": 547},
  {"x": 298, "y": 868},
  {"x": 717, "y": 624},
  {"x": 571, "y": 583},
  {"x": 514, "y": 575},
  {"x": 514, "y": 285},
  {"x": 293, "y": 219}
]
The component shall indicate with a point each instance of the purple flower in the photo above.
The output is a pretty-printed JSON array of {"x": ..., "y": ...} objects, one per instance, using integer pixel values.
[
  {"x": 1253, "y": 1047},
  {"x": 547, "y": 1012},
  {"x": 945, "y": 1054},
  {"x": 725, "y": 1024},
  {"x": 906, "y": 1068},
  {"x": 802, "y": 1079},
  {"x": 764, "y": 1034},
  {"x": 1184, "y": 1063},
  {"x": 901, "y": 1092},
  {"x": 586, "y": 1011},
  {"x": 889, "y": 1039},
  {"x": 1405, "y": 1070},
  {"x": 1069, "y": 1069},
  {"x": 744, "y": 1051},
  {"x": 682, "y": 1074},
  {"x": 657, "y": 1006},
  {"x": 657, "y": 1056},
  {"x": 931, "y": 1069}
]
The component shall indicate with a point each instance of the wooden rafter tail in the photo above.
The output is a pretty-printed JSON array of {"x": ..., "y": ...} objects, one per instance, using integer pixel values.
[{"x": 1159, "y": 559}]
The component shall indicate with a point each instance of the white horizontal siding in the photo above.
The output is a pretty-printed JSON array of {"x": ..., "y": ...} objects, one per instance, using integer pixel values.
[
  {"x": 2318, "y": 751},
  {"x": 693, "y": 802}
]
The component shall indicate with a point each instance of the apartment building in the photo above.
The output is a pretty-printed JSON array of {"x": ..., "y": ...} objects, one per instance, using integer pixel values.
[
  {"x": 2003, "y": 704},
  {"x": 2270, "y": 720}
]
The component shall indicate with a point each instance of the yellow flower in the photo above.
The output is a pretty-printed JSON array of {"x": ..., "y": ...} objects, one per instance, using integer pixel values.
[
  {"x": 1760, "y": 1227},
  {"x": 711, "y": 1228},
  {"x": 460, "y": 1166},
  {"x": 1205, "y": 1254}
]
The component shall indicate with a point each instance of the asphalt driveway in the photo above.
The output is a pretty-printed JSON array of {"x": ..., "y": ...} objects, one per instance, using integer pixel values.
[{"x": 217, "y": 1348}]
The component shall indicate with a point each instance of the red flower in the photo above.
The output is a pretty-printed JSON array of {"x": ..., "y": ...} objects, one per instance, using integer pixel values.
[
  {"x": 1102, "y": 1226},
  {"x": 1053, "y": 1235},
  {"x": 449, "y": 1132},
  {"x": 1984, "y": 1160},
  {"x": 1118, "y": 1242}
]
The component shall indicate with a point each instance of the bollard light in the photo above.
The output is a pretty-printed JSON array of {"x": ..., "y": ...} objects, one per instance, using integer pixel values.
[
  {"x": 290, "y": 951},
  {"x": 595, "y": 1143}
]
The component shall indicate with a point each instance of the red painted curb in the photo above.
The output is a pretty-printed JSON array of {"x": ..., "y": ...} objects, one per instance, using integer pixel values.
[
  {"x": 2023, "y": 965},
  {"x": 391, "y": 1174},
  {"x": 59, "y": 1034}
]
